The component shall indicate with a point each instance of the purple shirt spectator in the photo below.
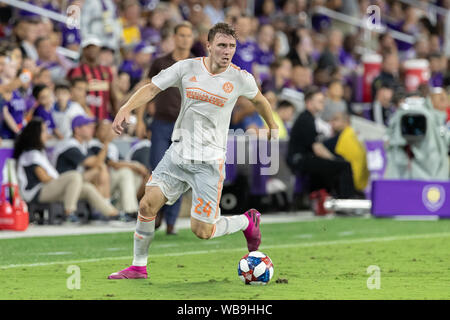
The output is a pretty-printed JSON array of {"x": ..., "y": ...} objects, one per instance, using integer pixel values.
[
  {"x": 70, "y": 36},
  {"x": 401, "y": 45},
  {"x": 436, "y": 79},
  {"x": 16, "y": 107},
  {"x": 151, "y": 35},
  {"x": 320, "y": 22},
  {"x": 264, "y": 59},
  {"x": 246, "y": 55},
  {"x": 347, "y": 60},
  {"x": 46, "y": 116},
  {"x": 134, "y": 71}
]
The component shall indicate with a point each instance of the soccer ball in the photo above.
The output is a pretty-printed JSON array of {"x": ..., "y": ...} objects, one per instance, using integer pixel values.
[{"x": 255, "y": 268}]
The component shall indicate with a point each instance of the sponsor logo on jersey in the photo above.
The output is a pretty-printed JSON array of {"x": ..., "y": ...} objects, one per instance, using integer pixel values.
[{"x": 203, "y": 95}]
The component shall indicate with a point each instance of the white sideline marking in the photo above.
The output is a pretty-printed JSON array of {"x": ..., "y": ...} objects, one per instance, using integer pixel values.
[
  {"x": 345, "y": 233},
  {"x": 304, "y": 236},
  {"x": 298, "y": 245},
  {"x": 57, "y": 253}
]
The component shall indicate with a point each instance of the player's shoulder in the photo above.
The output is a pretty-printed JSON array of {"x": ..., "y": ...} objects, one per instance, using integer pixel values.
[
  {"x": 242, "y": 75},
  {"x": 239, "y": 72},
  {"x": 188, "y": 64},
  {"x": 194, "y": 61}
]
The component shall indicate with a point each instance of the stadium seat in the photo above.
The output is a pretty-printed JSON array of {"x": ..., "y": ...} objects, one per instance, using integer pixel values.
[
  {"x": 46, "y": 213},
  {"x": 53, "y": 213}
]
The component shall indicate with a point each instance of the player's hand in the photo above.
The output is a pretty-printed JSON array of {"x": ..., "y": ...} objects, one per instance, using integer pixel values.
[{"x": 121, "y": 120}]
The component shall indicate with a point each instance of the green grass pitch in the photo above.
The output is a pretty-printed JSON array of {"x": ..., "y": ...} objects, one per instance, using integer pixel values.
[{"x": 320, "y": 259}]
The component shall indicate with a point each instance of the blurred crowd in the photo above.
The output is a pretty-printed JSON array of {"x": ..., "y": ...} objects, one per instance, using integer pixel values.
[{"x": 58, "y": 71}]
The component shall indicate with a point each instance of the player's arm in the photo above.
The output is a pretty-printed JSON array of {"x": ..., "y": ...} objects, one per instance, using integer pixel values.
[
  {"x": 265, "y": 110},
  {"x": 138, "y": 99}
]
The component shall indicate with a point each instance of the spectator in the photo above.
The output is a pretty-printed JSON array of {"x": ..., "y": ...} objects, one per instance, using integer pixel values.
[
  {"x": 389, "y": 73},
  {"x": 127, "y": 178},
  {"x": 106, "y": 58},
  {"x": 319, "y": 21},
  {"x": 71, "y": 37},
  {"x": 437, "y": 69},
  {"x": 334, "y": 101},
  {"x": 246, "y": 47},
  {"x": 39, "y": 181},
  {"x": 421, "y": 48},
  {"x": 73, "y": 154},
  {"x": 265, "y": 54},
  {"x": 49, "y": 59},
  {"x": 123, "y": 85},
  {"x": 330, "y": 57},
  {"x": 26, "y": 34},
  {"x": 268, "y": 12},
  {"x": 382, "y": 108},
  {"x": 101, "y": 96},
  {"x": 301, "y": 78},
  {"x": 45, "y": 101},
  {"x": 440, "y": 101},
  {"x": 306, "y": 155},
  {"x": 386, "y": 43},
  {"x": 199, "y": 46},
  {"x": 140, "y": 63},
  {"x": 65, "y": 110},
  {"x": 154, "y": 24},
  {"x": 12, "y": 103},
  {"x": 131, "y": 34},
  {"x": 99, "y": 20},
  {"x": 13, "y": 108},
  {"x": 345, "y": 144},
  {"x": 281, "y": 71},
  {"x": 214, "y": 11},
  {"x": 302, "y": 48},
  {"x": 286, "y": 111},
  {"x": 272, "y": 98},
  {"x": 78, "y": 93},
  {"x": 44, "y": 77}
]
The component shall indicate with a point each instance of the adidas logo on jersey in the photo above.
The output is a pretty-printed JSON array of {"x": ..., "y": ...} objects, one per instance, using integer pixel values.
[{"x": 193, "y": 79}]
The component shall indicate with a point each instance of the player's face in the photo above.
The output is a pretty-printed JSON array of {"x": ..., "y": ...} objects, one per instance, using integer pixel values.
[{"x": 222, "y": 49}]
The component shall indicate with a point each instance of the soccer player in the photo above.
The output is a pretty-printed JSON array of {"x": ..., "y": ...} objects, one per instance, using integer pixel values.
[{"x": 209, "y": 88}]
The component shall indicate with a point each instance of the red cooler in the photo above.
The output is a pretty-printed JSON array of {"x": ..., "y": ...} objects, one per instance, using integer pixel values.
[
  {"x": 372, "y": 68},
  {"x": 417, "y": 71}
]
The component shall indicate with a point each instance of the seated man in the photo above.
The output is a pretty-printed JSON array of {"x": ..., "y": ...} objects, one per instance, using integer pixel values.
[
  {"x": 73, "y": 154},
  {"x": 345, "y": 144},
  {"x": 127, "y": 178},
  {"x": 307, "y": 155}
]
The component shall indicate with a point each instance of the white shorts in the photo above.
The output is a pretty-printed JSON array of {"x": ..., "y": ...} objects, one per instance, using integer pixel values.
[{"x": 174, "y": 176}]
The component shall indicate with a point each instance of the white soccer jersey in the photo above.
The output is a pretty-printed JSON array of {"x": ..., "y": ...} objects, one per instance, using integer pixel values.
[{"x": 207, "y": 100}]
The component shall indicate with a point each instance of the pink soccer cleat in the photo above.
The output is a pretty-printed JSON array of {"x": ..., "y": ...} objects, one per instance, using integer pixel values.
[
  {"x": 131, "y": 272},
  {"x": 253, "y": 233}
]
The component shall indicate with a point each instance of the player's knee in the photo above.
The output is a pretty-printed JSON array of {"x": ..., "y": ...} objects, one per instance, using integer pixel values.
[{"x": 146, "y": 208}]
